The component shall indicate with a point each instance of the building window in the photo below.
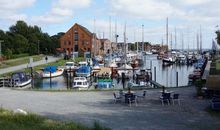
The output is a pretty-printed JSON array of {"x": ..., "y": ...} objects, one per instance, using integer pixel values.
[
  {"x": 64, "y": 43},
  {"x": 69, "y": 42},
  {"x": 75, "y": 43},
  {"x": 76, "y": 35},
  {"x": 76, "y": 48}
]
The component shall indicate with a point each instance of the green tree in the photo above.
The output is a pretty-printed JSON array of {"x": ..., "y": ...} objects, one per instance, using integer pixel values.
[
  {"x": 8, "y": 53},
  {"x": 218, "y": 36}
]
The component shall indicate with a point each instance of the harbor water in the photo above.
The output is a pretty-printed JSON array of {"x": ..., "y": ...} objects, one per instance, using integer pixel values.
[{"x": 165, "y": 75}]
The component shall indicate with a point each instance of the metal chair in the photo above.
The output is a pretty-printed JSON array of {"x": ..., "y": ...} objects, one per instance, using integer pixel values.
[
  {"x": 142, "y": 96},
  {"x": 117, "y": 98},
  {"x": 165, "y": 98},
  {"x": 176, "y": 98},
  {"x": 131, "y": 98}
]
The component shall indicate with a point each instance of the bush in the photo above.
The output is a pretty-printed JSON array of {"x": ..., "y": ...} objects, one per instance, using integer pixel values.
[{"x": 199, "y": 84}]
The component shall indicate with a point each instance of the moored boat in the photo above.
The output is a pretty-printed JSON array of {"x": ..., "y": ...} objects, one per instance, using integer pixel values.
[
  {"x": 83, "y": 71},
  {"x": 51, "y": 71},
  {"x": 20, "y": 79},
  {"x": 80, "y": 83}
]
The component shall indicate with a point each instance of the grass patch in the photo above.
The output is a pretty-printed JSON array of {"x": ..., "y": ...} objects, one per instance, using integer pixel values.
[
  {"x": 60, "y": 62},
  {"x": 19, "y": 61},
  {"x": 212, "y": 112},
  {"x": 218, "y": 65},
  {"x": 16, "y": 121}
]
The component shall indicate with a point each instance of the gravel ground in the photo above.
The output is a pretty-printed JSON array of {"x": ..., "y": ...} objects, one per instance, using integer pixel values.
[{"x": 88, "y": 107}]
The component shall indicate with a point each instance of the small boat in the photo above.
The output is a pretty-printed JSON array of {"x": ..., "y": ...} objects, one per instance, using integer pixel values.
[
  {"x": 148, "y": 53},
  {"x": 84, "y": 71},
  {"x": 51, "y": 71},
  {"x": 69, "y": 65},
  {"x": 168, "y": 60},
  {"x": 20, "y": 79},
  {"x": 126, "y": 69},
  {"x": 104, "y": 82},
  {"x": 80, "y": 83}
]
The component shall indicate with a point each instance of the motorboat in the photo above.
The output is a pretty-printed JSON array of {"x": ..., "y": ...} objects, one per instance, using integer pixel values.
[
  {"x": 104, "y": 82},
  {"x": 80, "y": 83},
  {"x": 20, "y": 79},
  {"x": 51, "y": 71},
  {"x": 168, "y": 60},
  {"x": 126, "y": 69},
  {"x": 148, "y": 53},
  {"x": 69, "y": 65},
  {"x": 84, "y": 71}
]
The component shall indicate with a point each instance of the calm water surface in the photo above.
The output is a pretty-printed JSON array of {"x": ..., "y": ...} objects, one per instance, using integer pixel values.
[{"x": 165, "y": 75}]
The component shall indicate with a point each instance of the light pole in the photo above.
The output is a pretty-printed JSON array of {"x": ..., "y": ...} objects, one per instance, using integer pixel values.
[
  {"x": 38, "y": 46},
  {"x": 1, "y": 48}
]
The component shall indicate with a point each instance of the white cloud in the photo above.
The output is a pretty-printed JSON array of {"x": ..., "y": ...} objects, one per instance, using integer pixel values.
[
  {"x": 60, "y": 11},
  {"x": 9, "y": 9},
  {"x": 143, "y": 9}
]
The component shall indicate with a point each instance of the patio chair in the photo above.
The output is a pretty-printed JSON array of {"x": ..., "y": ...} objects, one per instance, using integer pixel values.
[
  {"x": 176, "y": 98},
  {"x": 117, "y": 98},
  {"x": 142, "y": 96},
  {"x": 132, "y": 99},
  {"x": 165, "y": 98}
]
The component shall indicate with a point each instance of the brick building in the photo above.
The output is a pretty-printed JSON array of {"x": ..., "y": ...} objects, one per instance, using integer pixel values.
[{"x": 79, "y": 41}]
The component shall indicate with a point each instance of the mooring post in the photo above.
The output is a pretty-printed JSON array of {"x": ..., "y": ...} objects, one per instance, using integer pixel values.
[
  {"x": 32, "y": 78},
  {"x": 151, "y": 65},
  {"x": 155, "y": 75},
  {"x": 50, "y": 76},
  {"x": 177, "y": 79},
  {"x": 70, "y": 82}
]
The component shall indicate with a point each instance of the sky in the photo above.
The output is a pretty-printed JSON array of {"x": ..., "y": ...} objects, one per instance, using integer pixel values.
[{"x": 108, "y": 17}]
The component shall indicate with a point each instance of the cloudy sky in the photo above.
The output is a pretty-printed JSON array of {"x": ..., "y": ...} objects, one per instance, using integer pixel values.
[{"x": 55, "y": 16}]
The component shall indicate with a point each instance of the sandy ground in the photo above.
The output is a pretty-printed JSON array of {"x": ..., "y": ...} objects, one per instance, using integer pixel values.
[{"x": 88, "y": 107}]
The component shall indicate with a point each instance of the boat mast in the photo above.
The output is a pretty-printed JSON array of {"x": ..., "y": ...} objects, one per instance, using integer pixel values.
[
  {"x": 110, "y": 37},
  {"x": 167, "y": 27},
  {"x": 175, "y": 40},
  {"x": 94, "y": 36},
  {"x": 142, "y": 38},
  {"x": 197, "y": 38},
  {"x": 171, "y": 41},
  {"x": 116, "y": 35},
  {"x": 200, "y": 39},
  {"x": 125, "y": 44},
  {"x": 182, "y": 42}
]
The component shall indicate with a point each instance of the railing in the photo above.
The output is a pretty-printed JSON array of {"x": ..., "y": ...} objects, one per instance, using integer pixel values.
[{"x": 7, "y": 82}]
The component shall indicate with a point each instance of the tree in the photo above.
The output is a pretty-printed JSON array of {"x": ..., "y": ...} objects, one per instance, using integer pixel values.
[
  {"x": 8, "y": 53},
  {"x": 218, "y": 36}
]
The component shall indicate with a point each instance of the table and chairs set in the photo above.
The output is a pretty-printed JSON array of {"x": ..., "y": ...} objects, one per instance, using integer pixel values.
[{"x": 129, "y": 97}]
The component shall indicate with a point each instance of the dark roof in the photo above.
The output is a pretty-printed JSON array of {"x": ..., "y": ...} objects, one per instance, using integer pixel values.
[
  {"x": 85, "y": 29},
  {"x": 103, "y": 40}
]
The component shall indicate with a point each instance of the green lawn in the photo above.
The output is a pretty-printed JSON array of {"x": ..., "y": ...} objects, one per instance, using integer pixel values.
[
  {"x": 40, "y": 67},
  {"x": 218, "y": 65},
  {"x": 19, "y": 61},
  {"x": 15, "y": 121}
]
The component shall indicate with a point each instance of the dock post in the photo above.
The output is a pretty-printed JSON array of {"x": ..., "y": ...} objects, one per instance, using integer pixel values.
[
  {"x": 50, "y": 76},
  {"x": 67, "y": 79},
  {"x": 151, "y": 65},
  {"x": 70, "y": 82},
  {"x": 177, "y": 79},
  {"x": 32, "y": 77},
  {"x": 155, "y": 75}
]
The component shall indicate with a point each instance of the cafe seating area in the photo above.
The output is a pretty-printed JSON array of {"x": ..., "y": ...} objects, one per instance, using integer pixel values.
[{"x": 135, "y": 97}]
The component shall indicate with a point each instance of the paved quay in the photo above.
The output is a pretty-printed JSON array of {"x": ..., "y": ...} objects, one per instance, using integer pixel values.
[
  {"x": 19, "y": 67},
  {"x": 88, "y": 107}
]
